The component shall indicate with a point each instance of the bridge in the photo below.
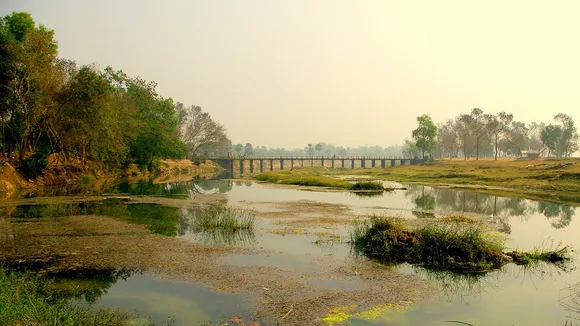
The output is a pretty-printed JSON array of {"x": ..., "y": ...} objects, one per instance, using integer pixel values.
[{"x": 250, "y": 164}]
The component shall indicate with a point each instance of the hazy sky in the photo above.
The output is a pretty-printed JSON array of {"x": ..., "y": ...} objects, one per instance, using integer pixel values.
[{"x": 287, "y": 73}]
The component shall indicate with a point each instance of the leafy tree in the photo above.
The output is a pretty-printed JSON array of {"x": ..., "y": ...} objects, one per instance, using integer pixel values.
[
  {"x": 425, "y": 134},
  {"x": 198, "y": 129},
  {"x": 477, "y": 128},
  {"x": 239, "y": 149},
  {"x": 569, "y": 137},
  {"x": 551, "y": 136},
  {"x": 447, "y": 139},
  {"x": 310, "y": 150},
  {"x": 29, "y": 56},
  {"x": 497, "y": 125},
  {"x": 410, "y": 149},
  {"x": 318, "y": 148},
  {"x": 248, "y": 150}
]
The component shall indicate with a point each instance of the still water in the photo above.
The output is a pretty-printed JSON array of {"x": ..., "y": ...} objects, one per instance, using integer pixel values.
[{"x": 514, "y": 295}]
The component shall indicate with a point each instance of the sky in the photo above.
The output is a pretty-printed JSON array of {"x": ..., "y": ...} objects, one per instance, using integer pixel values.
[{"x": 288, "y": 73}]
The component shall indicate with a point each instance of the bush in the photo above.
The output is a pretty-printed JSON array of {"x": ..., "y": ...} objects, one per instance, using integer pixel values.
[
  {"x": 452, "y": 247},
  {"x": 34, "y": 165}
]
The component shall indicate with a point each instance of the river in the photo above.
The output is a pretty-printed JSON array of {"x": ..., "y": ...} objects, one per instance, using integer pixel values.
[{"x": 287, "y": 241}]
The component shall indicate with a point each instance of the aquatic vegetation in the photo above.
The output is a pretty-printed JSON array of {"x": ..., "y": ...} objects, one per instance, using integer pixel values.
[
  {"x": 24, "y": 302},
  {"x": 445, "y": 246},
  {"x": 367, "y": 185},
  {"x": 224, "y": 218},
  {"x": 342, "y": 314}
]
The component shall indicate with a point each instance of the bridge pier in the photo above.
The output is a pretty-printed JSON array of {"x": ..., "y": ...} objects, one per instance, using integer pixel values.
[{"x": 229, "y": 164}]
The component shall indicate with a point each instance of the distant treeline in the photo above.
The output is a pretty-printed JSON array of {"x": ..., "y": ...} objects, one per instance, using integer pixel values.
[
  {"x": 478, "y": 134},
  {"x": 49, "y": 105},
  {"x": 315, "y": 150}
]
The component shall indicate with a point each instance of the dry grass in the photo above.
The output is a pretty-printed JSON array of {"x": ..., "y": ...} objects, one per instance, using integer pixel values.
[{"x": 546, "y": 179}]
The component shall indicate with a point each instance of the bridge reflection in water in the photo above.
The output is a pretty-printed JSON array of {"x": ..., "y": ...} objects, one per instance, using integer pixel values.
[{"x": 238, "y": 165}]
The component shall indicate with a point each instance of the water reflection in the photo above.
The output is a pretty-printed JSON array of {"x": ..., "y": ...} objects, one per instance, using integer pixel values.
[
  {"x": 186, "y": 189},
  {"x": 189, "y": 228},
  {"x": 447, "y": 200},
  {"x": 88, "y": 285},
  {"x": 164, "y": 220}
]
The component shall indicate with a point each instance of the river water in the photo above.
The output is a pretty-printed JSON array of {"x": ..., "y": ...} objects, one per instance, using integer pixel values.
[{"x": 514, "y": 295}]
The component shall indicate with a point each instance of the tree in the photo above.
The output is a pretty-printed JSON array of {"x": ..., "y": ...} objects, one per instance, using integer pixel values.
[
  {"x": 410, "y": 149},
  {"x": 318, "y": 148},
  {"x": 497, "y": 125},
  {"x": 310, "y": 150},
  {"x": 463, "y": 123},
  {"x": 248, "y": 150},
  {"x": 425, "y": 134},
  {"x": 197, "y": 128},
  {"x": 447, "y": 138},
  {"x": 515, "y": 137},
  {"x": 29, "y": 56},
  {"x": 239, "y": 149},
  {"x": 569, "y": 137},
  {"x": 551, "y": 136},
  {"x": 477, "y": 128}
]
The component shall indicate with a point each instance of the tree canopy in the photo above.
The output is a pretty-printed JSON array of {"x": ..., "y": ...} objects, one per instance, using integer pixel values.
[
  {"x": 48, "y": 105},
  {"x": 425, "y": 134}
]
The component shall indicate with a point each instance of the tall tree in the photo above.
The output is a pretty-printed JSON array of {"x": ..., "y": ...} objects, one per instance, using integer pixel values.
[
  {"x": 198, "y": 128},
  {"x": 497, "y": 125},
  {"x": 551, "y": 136},
  {"x": 464, "y": 123},
  {"x": 425, "y": 134},
  {"x": 29, "y": 56},
  {"x": 477, "y": 128},
  {"x": 248, "y": 149},
  {"x": 569, "y": 133},
  {"x": 447, "y": 138}
]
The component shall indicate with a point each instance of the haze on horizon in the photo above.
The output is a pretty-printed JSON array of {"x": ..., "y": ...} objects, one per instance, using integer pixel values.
[{"x": 284, "y": 74}]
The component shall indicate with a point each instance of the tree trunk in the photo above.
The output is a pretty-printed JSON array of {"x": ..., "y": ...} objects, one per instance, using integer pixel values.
[
  {"x": 496, "y": 137},
  {"x": 477, "y": 149}
]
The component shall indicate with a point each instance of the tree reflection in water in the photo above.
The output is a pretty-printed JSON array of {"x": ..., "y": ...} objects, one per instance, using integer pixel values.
[{"x": 429, "y": 200}]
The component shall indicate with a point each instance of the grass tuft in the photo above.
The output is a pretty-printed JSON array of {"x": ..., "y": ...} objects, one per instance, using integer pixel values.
[
  {"x": 303, "y": 177},
  {"x": 221, "y": 217},
  {"x": 454, "y": 246}
]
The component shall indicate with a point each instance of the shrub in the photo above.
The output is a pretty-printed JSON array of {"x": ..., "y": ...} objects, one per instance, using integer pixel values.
[
  {"x": 454, "y": 247},
  {"x": 34, "y": 165}
]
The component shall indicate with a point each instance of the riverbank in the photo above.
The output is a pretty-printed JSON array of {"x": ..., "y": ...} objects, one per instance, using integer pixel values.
[
  {"x": 25, "y": 300},
  {"x": 554, "y": 180},
  {"x": 92, "y": 177}
]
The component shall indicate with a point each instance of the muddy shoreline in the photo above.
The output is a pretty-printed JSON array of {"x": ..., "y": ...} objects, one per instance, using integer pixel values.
[{"x": 101, "y": 242}]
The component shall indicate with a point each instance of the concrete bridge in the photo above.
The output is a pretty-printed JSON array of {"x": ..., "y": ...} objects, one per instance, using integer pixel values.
[{"x": 253, "y": 164}]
